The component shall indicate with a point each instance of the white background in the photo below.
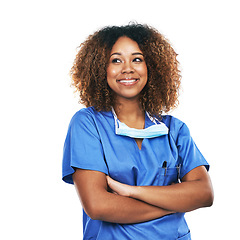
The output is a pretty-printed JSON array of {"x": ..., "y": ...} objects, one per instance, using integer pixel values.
[{"x": 38, "y": 45}]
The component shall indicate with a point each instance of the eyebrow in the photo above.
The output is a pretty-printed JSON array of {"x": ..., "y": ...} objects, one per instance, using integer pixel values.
[{"x": 135, "y": 53}]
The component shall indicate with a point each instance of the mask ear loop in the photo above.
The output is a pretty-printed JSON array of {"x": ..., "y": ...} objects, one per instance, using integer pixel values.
[
  {"x": 115, "y": 120},
  {"x": 152, "y": 119}
]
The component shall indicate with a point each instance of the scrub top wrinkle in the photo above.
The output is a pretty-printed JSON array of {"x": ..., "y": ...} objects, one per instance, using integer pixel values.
[{"x": 92, "y": 144}]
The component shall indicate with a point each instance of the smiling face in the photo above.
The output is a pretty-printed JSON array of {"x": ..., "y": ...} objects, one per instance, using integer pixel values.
[{"x": 127, "y": 70}]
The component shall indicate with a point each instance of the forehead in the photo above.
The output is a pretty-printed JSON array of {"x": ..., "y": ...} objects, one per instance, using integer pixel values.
[{"x": 125, "y": 45}]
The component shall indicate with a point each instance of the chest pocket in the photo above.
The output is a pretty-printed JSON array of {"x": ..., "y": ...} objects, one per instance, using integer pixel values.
[{"x": 167, "y": 176}]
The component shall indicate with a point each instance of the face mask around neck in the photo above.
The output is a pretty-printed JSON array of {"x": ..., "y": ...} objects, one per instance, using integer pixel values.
[{"x": 156, "y": 130}]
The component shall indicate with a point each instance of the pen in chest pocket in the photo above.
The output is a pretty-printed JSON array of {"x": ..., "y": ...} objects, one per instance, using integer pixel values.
[
  {"x": 178, "y": 170},
  {"x": 165, "y": 167}
]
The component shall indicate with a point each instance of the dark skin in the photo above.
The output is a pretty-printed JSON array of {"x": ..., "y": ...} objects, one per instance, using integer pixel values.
[
  {"x": 127, "y": 75},
  {"x": 100, "y": 204},
  {"x": 194, "y": 192}
]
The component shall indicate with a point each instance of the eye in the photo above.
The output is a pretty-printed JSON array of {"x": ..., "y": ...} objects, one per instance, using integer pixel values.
[
  {"x": 137, "y": 59},
  {"x": 116, "y": 60}
]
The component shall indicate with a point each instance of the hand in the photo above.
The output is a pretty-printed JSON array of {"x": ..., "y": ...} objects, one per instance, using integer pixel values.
[{"x": 119, "y": 188}]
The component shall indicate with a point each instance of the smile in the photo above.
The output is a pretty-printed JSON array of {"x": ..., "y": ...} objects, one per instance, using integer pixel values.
[{"x": 128, "y": 81}]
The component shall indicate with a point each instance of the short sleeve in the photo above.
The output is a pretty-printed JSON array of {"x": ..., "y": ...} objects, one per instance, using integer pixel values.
[
  {"x": 189, "y": 155},
  {"x": 82, "y": 147}
]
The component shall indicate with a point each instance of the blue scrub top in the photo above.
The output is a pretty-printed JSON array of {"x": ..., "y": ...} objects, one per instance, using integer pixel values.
[{"x": 92, "y": 144}]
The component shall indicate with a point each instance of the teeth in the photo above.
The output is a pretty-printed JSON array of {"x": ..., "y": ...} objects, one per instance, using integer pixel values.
[{"x": 128, "y": 81}]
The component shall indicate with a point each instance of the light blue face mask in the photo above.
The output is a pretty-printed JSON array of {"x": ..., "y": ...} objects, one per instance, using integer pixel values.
[{"x": 156, "y": 130}]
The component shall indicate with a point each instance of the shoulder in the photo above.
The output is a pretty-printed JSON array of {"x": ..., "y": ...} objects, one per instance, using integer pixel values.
[
  {"x": 172, "y": 122},
  {"x": 83, "y": 123},
  {"x": 176, "y": 126},
  {"x": 83, "y": 115},
  {"x": 89, "y": 117}
]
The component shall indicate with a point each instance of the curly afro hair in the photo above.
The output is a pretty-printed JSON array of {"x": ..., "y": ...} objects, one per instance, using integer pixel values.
[{"x": 89, "y": 71}]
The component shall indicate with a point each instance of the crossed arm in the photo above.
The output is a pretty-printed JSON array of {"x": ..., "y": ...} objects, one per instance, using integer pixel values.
[
  {"x": 133, "y": 204},
  {"x": 194, "y": 192}
]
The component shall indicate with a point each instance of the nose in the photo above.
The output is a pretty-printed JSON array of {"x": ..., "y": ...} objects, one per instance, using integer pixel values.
[{"x": 127, "y": 68}]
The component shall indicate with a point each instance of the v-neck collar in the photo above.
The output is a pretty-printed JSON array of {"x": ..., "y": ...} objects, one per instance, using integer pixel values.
[{"x": 149, "y": 121}]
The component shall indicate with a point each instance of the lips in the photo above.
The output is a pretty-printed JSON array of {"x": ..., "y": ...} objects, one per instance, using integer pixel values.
[{"x": 128, "y": 81}]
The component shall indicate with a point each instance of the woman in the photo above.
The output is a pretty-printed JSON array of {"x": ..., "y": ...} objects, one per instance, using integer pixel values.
[{"x": 136, "y": 170}]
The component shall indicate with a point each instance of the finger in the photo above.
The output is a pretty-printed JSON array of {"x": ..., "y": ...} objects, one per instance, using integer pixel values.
[{"x": 108, "y": 180}]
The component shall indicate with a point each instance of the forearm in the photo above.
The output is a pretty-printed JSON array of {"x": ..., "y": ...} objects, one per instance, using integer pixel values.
[
  {"x": 194, "y": 192},
  {"x": 125, "y": 210},
  {"x": 181, "y": 197},
  {"x": 100, "y": 204}
]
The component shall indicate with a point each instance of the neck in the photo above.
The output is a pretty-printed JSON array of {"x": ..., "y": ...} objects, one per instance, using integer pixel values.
[{"x": 129, "y": 110}]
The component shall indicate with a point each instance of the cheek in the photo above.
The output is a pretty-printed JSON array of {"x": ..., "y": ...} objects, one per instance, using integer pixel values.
[
  {"x": 111, "y": 72},
  {"x": 111, "y": 76},
  {"x": 143, "y": 71}
]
